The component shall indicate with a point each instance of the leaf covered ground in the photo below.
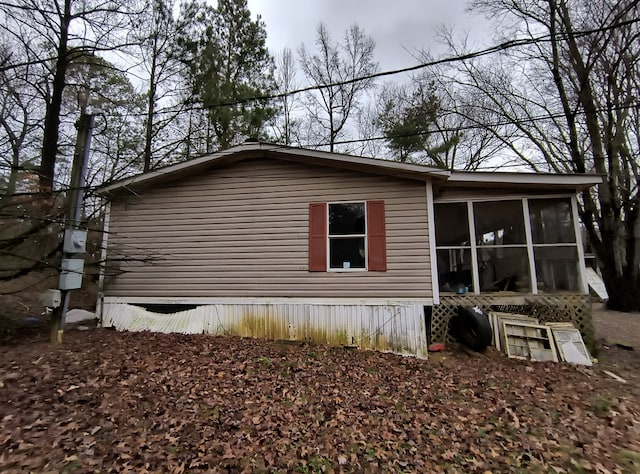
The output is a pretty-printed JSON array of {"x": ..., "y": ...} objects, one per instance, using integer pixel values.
[{"x": 109, "y": 401}]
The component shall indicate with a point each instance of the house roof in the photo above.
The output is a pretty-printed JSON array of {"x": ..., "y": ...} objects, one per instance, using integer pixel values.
[
  {"x": 250, "y": 150},
  {"x": 522, "y": 180},
  {"x": 253, "y": 149}
]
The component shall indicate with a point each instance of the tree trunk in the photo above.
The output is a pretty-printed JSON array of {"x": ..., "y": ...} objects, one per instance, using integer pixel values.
[
  {"x": 13, "y": 173},
  {"x": 52, "y": 115},
  {"x": 616, "y": 246},
  {"x": 150, "y": 109}
]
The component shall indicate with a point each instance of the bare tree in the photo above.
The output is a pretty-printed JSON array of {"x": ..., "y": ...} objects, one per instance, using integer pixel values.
[
  {"x": 461, "y": 122},
  {"x": 566, "y": 100},
  {"x": 52, "y": 33},
  {"x": 367, "y": 129},
  {"x": 286, "y": 124},
  {"x": 156, "y": 33},
  {"x": 332, "y": 68},
  {"x": 51, "y": 41},
  {"x": 118, "y": 136},
  {"x": 20, "y": 106}
]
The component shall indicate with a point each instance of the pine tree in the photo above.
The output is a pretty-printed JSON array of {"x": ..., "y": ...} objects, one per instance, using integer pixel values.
[
  {"x": 409, "y": 119},
  {"x": 228, "y": 63}
]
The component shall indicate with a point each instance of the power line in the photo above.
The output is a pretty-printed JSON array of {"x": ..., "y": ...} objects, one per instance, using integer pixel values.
[
  {"x": 187, "y": 105},
  {"x": 451, "y": 59},
  {"x": 462, "y": 57},
  {"x": 459, "y": 128},
  {"x": 538, "y": 118}
]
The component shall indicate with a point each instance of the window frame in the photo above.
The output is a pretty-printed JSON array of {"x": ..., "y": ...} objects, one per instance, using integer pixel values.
[
  {"x": 346, "y": 236},
  {"x": 479, "y": 247},
  {"x": 529, "y": 244}
]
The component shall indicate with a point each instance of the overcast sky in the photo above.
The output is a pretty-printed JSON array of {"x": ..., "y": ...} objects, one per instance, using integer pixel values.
[{"x": 399, "y": 27}]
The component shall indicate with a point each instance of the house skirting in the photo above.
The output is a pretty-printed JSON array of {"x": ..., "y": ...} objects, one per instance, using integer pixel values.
[
  {"x": 571, "y": 308},
  {"x": 397, "y": 327}
]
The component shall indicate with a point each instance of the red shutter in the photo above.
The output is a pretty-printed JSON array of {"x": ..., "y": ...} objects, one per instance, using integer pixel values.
[
  {"x": 318, "y": 237},
  {"x": 377, "y": 242}
]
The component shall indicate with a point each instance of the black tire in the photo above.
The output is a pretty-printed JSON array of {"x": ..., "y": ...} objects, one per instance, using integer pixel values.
[{"x": 472, "y": 328}]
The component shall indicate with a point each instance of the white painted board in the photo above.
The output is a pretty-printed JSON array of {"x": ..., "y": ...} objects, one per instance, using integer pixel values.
[
  {"x": 571, "y": 346},
  {"x": 596, "y": 284}
]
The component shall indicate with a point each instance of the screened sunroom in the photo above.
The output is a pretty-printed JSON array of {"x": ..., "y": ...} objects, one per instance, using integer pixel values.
[
  {"x": 520, "y": 245},
  {"x": 509, "y": 242}
]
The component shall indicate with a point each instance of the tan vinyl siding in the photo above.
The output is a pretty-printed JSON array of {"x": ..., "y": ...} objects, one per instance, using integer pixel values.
[{"x": 243, "y": 230}]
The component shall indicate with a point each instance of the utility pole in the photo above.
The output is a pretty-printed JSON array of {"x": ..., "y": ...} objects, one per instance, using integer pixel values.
[{"x": 71, "y": 269}]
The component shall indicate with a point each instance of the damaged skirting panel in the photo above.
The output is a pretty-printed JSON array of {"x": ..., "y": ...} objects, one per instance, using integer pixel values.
[{"x": 394, "y": 328}]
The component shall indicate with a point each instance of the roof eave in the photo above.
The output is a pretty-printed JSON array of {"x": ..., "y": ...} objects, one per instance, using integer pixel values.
[
  {"x": 256, "y": 149},
  {"x": 185, "y": 166},
  {"x": 528, "y": 180}
]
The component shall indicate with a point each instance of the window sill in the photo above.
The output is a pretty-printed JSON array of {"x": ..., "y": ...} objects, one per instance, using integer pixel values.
[{"x": 346, "y": 270}]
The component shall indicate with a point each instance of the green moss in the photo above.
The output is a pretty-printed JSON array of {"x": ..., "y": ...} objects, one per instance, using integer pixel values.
[
  {"x": 629, "y": 460},
  {"x": 264, "y": 360},
  {"x": 601, "y": 405}
]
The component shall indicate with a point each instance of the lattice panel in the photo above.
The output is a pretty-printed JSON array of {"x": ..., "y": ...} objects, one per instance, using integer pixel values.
[{"x": 575, "y": 309}]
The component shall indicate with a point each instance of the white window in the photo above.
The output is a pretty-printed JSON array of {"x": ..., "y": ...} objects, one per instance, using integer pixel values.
[
  {"x": 453, "y": 247},
  {"x": 347, "y": 236},
  {"x": 555, "y": 248},
  {"x": 503, "y": 261}
]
